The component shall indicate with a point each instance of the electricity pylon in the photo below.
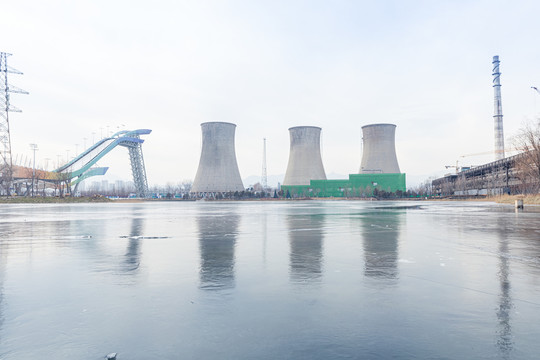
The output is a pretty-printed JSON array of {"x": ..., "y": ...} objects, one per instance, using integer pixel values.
[{"x": 6, "y": 164}]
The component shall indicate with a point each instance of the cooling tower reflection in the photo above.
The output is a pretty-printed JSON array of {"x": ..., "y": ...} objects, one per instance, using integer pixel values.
[
  {"x": 306, "y": 238},
  {"x": 217, "y": 241},
  {"x": 380, "y": 234}
]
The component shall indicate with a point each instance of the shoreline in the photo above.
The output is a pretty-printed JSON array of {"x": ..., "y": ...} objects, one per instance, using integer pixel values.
[
  {"x": 51, "y": 200},
  {"x": 500, "y": 199}
]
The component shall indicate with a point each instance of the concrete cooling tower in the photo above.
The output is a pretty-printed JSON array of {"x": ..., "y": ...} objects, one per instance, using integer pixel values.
[
  {"x": 379, "y": 151},
  {"x": 305, "y": 161},
  {"x": 218, "y": 170}
]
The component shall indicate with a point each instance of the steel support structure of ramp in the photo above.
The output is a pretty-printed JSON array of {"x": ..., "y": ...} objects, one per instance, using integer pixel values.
[{"x": 137, "y": 168}]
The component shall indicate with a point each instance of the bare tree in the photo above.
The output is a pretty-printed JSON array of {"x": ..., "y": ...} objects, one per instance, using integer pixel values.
[
  {"x": 186, "y": 185},
  {"x": 528, "y": 162}
]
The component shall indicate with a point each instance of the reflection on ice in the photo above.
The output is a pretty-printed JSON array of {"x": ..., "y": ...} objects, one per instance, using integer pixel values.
[
  {"x": 288, "y": 281},
  {"x": 132, "y": 257},
  {"x": 380, "y": 233},
  {"x": 306, "y": 246},
  {"x": 217, "y": 240},
  {"x": 504, "y": 340}
]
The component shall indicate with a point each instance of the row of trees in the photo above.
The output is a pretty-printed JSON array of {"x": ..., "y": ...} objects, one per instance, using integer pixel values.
[
  {"x": 527, "y": 164},
  {"x": 127, "y": 188}
]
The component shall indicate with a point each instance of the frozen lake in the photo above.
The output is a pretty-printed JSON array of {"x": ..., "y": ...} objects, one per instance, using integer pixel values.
[{"x": 269, "y": 280}]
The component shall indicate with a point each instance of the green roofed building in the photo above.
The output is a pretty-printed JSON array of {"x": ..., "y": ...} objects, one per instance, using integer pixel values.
[{"x": 358, "y": 185}]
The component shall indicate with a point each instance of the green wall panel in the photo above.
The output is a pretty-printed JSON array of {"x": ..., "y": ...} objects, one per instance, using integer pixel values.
[{"x": 358, "y": 185}]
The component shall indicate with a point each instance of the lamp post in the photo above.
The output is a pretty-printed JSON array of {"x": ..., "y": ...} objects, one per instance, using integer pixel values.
[{"x": 33, "y": 147}]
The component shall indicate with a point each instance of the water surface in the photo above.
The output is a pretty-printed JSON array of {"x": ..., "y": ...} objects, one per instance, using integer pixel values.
[{"x": 269, "y": 280}]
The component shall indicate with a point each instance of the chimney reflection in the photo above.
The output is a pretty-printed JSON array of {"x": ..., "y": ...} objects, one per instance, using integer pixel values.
[
  {"x": 380, "y": 235},
  {"x": 217, "y": 241},
  {"x": 504, "y": 341},
  {"x": 306, "y": 247}
]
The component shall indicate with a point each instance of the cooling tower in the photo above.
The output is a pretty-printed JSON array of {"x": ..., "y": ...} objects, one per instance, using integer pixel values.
[
  {"x": 218, "y": 170},
  {"x": 305, "y": 161},
  {"x": 379, "y": 151}
]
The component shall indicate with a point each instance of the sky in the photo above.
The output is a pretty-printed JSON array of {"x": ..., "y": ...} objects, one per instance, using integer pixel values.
[{"x": 96, "y": 67}]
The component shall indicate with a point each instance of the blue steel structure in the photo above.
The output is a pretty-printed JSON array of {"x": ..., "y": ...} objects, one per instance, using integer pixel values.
[{"x": 81, "y": 167}]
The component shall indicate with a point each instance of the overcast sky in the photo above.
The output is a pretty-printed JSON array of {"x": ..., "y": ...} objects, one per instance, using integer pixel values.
[{"x": 93, "y": 66}]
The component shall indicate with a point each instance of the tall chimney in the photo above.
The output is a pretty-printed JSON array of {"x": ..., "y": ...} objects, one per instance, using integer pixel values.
[{"x": 498, "y": 116}]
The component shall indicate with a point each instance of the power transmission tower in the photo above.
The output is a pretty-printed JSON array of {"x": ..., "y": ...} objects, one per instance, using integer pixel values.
[
  {"x": 264, "y": 177},
  {"x": 6, "y": 164}
]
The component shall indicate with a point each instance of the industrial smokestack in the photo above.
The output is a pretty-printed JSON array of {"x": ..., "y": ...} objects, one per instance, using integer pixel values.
[
  {"x": 218, "y": 170},
  {"x": 305, "y": 162},
  {"x": 498, "y": 116},
  {"x": 379, "y": 149}
]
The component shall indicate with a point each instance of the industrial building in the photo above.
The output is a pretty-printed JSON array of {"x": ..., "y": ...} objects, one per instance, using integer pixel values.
[
  {"x": 218, "y": 170},
  {"x": 495, "y": 178},
  {"x": 379, "y": 169},
  {"x": 357, "y": 185}
]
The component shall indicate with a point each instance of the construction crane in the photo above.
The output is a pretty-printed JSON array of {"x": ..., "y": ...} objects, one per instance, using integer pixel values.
[
  {"x": 512, "y": 149},
  {"x": 457, "y": 167},
  {"x": 463, "y": 168},
  {"x": 453, "y": 166}
]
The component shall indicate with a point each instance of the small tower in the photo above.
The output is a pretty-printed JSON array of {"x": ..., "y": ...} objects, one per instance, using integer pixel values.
[{"x": 264, "y": 177}]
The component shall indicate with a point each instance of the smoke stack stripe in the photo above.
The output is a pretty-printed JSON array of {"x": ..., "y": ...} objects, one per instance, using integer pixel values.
[
  {"x": 305, "y": 162},
  {"x": 218, "y": 169},
  {"x": 379, "y": 149}
]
